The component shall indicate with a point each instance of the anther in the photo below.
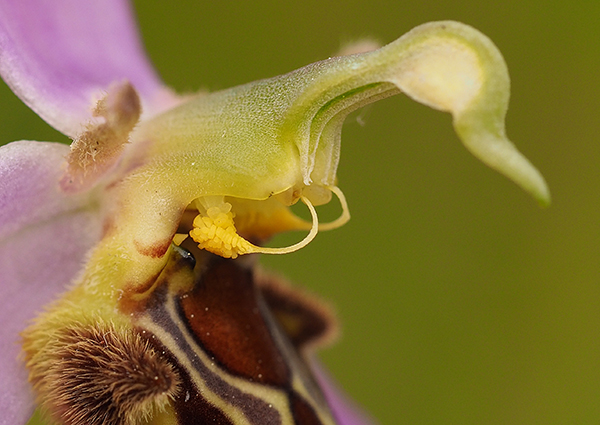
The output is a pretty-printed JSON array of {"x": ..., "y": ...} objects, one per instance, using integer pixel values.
[{"x": 215, "y": 231}]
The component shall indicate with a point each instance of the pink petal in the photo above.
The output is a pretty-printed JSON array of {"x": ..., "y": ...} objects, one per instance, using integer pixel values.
[
  {"x": 344, "y": 410},
  {"x": 44, "y": 237},
  {"x": 59, "y": 55}
]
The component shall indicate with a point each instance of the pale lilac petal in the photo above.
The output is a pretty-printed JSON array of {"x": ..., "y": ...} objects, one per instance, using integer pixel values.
[
  {"x": 44, "y": 237},
  {"x": 29, "y": 185},
  {"x": 59, "y": 55},
  {"x": 344, "y": 410}
]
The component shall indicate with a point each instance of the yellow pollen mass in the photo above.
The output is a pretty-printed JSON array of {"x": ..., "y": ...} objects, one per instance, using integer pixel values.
[
  {"x": 216, "y": 233},
  {"x": 214, "y": 229}
]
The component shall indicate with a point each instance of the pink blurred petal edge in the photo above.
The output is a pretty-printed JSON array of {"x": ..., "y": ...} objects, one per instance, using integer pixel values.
[
  {"x": 344, "y": 410},
  {"x": 44, "y": 237},
  {"x": 59, "y": 57}
]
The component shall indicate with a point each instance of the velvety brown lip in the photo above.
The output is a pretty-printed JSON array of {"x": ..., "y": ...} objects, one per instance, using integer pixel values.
[{"x": 225, "y": 317}]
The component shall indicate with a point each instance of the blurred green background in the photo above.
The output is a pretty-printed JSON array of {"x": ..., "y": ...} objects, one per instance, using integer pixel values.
[{"x": 461, "y": 301}]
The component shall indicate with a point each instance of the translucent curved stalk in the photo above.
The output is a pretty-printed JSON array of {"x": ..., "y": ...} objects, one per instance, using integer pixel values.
[{"x": 265, "y": 137}]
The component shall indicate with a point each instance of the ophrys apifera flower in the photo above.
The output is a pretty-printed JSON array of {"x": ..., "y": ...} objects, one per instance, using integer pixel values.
[{"x": 142, "y": 225}]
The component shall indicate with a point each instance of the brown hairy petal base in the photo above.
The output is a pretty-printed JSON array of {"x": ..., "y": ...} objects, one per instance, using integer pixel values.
[{"x": 102, "y": 375}]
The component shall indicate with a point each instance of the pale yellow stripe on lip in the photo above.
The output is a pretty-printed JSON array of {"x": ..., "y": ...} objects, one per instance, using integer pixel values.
[{"x": 276, "y": 398}]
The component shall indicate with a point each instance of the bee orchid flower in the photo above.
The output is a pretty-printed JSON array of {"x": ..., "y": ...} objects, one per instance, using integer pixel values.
[{"x": 127, "y": 292}]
